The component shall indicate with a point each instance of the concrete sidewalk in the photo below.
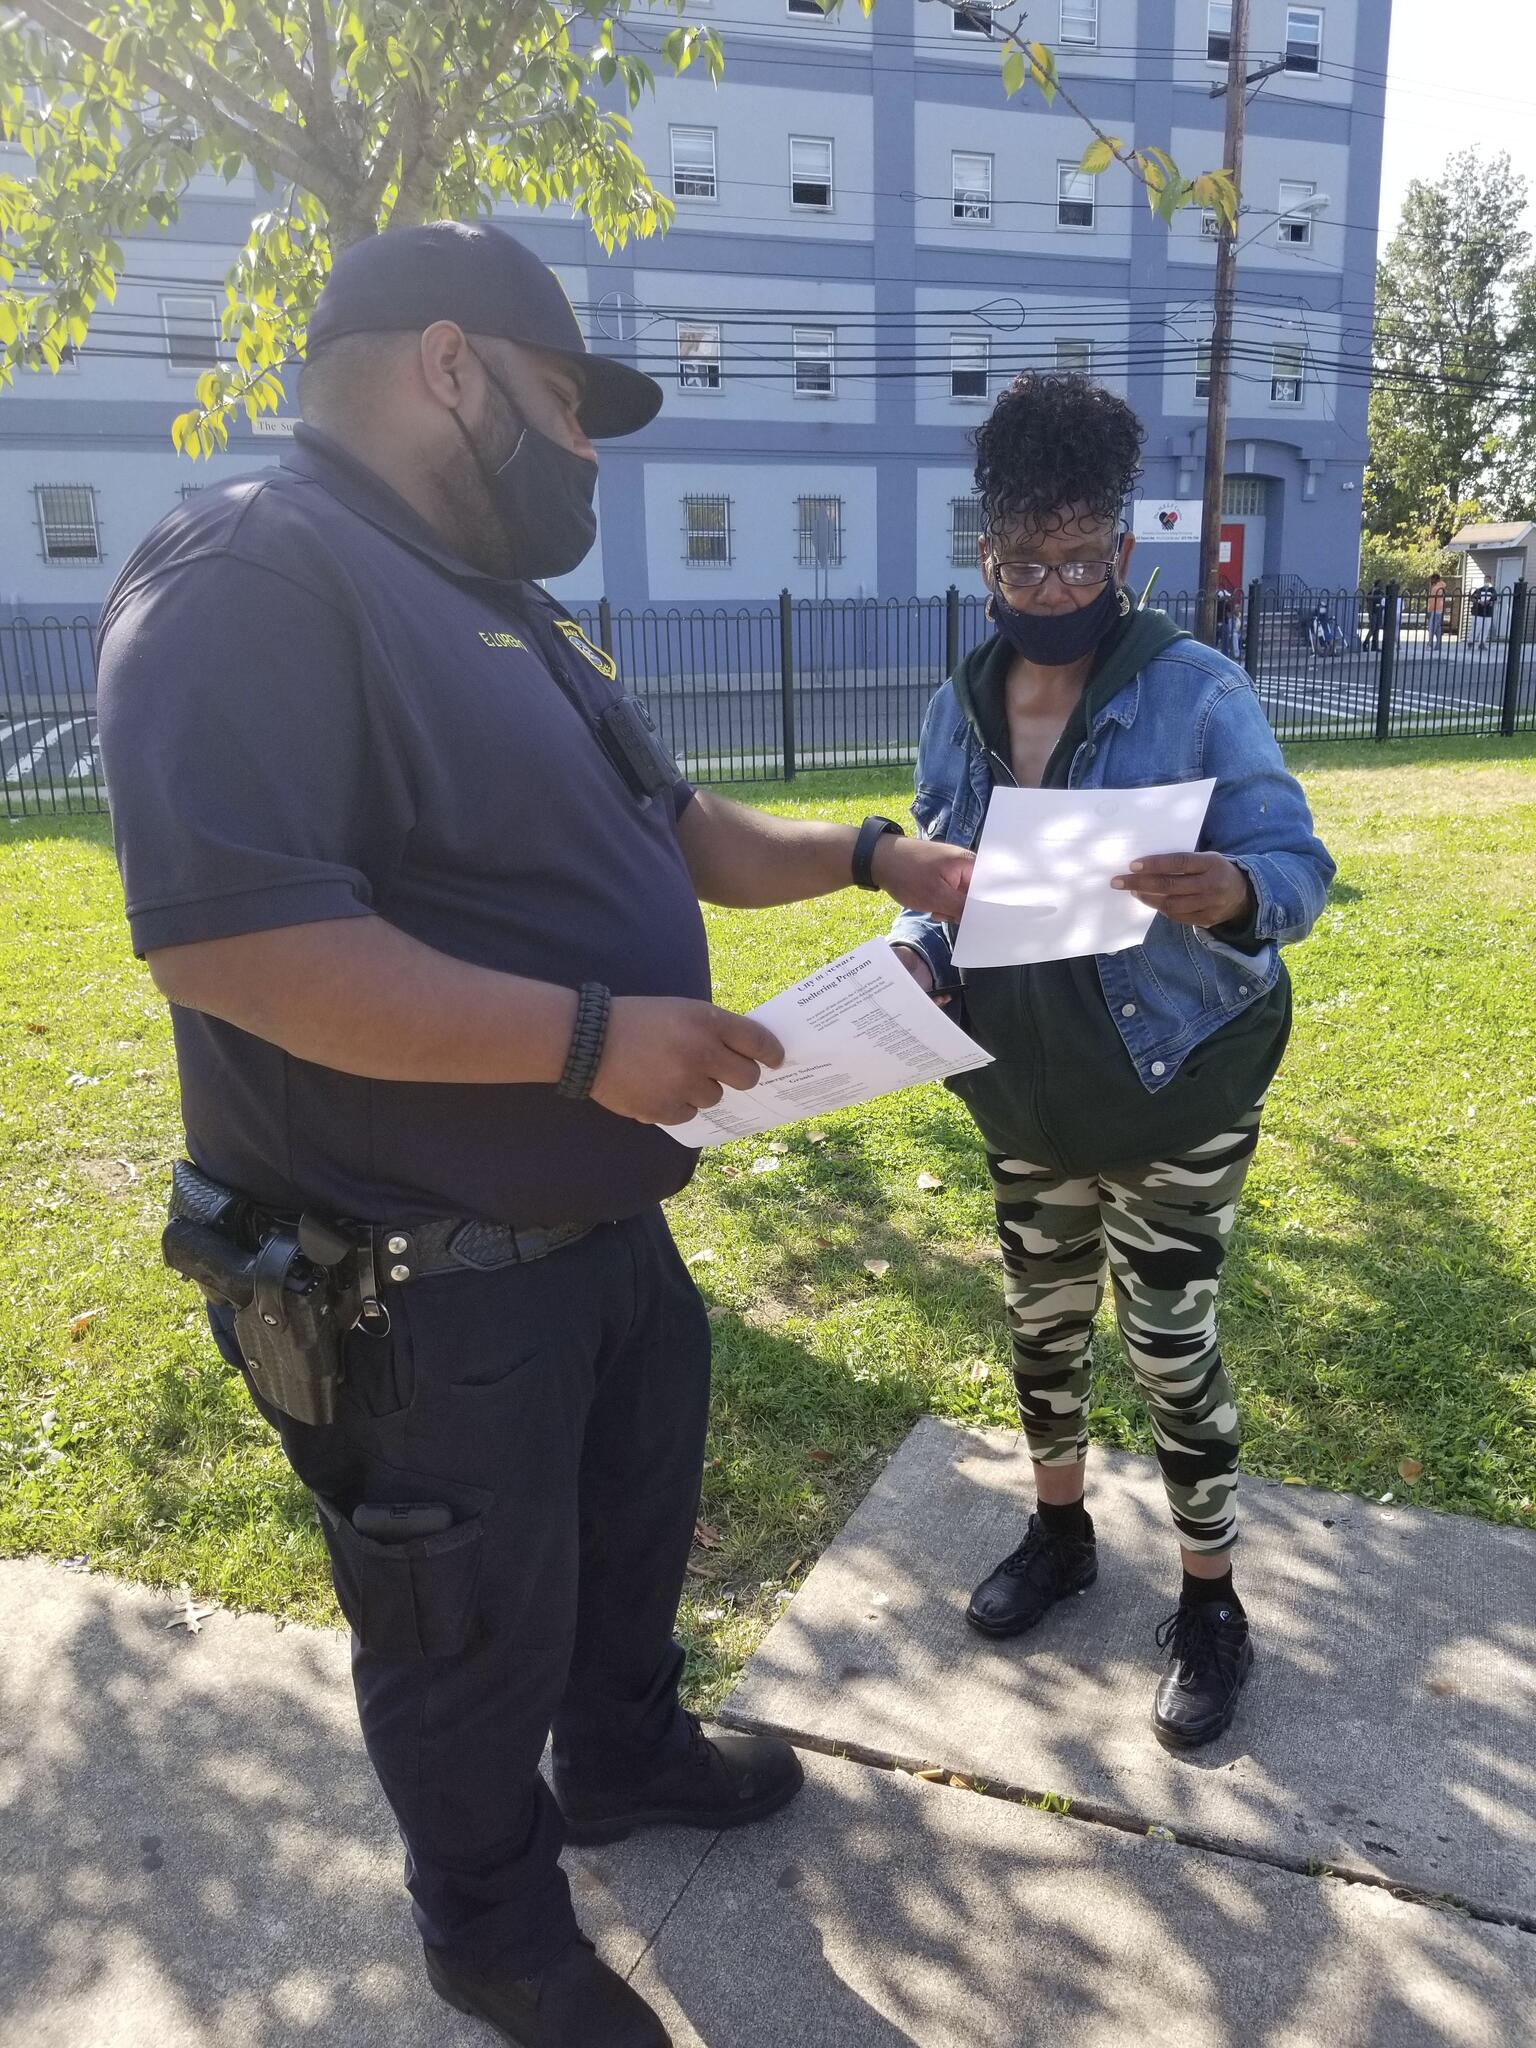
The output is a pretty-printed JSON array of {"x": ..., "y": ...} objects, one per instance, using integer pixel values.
[{"x": 193, "y": 1853}]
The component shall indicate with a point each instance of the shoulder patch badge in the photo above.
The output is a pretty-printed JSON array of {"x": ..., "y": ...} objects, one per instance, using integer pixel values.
[{"x": 604, "y": 663}]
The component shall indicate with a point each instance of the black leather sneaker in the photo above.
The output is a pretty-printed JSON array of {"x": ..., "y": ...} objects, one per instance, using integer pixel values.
[
  {"x": 724, "y": 1782},
  {"x": 1030, "y": 1580},
  {"x": 1212, "y": 1656},
  {"x": 576, "y": 2002}
]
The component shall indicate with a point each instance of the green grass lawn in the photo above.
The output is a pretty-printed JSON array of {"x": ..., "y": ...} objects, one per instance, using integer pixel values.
[{"x": 1381, "y": 1296}]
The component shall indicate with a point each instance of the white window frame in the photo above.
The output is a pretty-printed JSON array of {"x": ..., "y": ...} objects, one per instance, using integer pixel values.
[
  {"x": 963, "y": 531},
  {"x": 1225, "y": 7},
  {"x": 813, "y": 205},
  {"x": 1289, "y": 218},
  {"x": 208, "y": 301},
  {"x": 1073, "y": 342},
  {"x": 815, "y": 347},
  {"x": 710, "y": 198},
  {"x": 86, "y": 500},
  {"x": 705, "y": 352},
  {"x": 1080, "y": 8},
  {"x": 965, "y": 25},
  {"x": 1294, "y": 353},
  {"x": 1067, "y": 175},
  {"x": 970, "y": 193},
  {"x": 970, "y": 346},
  {"x": 796, "y": 7},
  {"x": 692, "y": 501},
  {"x": 1303, "y": 70},
  {"x": 1203, "y": 352}
]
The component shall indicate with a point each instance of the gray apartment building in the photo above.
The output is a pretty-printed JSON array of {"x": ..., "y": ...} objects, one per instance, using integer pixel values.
[{"x": 870, "y": 241}]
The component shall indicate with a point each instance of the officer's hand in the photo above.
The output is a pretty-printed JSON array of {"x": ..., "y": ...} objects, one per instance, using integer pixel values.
[
  {"x": 924, "y": 874},
  {"x": 666, "y": 1057},
  {"x": 1201, "y": 889}
]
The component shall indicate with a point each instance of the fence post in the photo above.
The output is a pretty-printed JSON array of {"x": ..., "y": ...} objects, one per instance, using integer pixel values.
[
  {"x": 1388, "y": 665},
  {"x": 1251, "y": 633},
  {"x": 605, "y": 625},
  {"x": 1512, "y": 656},
  {"x": 787, "y": 683},
  {"x": 951, "y": 629}
]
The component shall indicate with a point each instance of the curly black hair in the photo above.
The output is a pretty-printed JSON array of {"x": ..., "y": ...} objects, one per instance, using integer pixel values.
[{"x": 1054, "y": 445}]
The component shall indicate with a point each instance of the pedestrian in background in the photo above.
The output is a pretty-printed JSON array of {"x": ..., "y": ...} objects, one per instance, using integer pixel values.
[{"x": 1435, "y": 610}]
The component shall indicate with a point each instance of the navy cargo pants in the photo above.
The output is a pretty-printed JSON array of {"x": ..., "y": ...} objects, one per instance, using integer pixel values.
[{"x": 559, "y": 1410}]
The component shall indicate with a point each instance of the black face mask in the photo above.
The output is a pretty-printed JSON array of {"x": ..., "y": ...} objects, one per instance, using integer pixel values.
[
  {"x": 542, "y": 494},
  {"x": 1056, "y": 639}
]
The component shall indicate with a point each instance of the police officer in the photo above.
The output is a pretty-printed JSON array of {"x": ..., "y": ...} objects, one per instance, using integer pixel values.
[{"x": 424, "y": 897}]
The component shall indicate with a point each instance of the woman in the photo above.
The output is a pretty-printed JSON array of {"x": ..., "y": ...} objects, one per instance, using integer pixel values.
[
  {"x": 1435, "y": 609},
  {"x": 1123, "y": 1106}
]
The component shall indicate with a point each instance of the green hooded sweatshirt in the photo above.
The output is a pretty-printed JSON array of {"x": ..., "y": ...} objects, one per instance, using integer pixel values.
[{"x": 1062, "y": 1091}]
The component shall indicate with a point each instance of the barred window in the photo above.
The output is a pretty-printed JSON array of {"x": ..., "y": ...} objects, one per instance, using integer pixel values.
[
  {"x": 967, "y": 522},
  {"x": 707, "y": 533},
  {"x": 820, "y": 524},
  {"x": 693, "y": 163},
  {"x": 1074, "y": 358},
  {"x": 191, "y": 332},
  {"x": 971, "y": 183},
  {"x": 815, "y": 376},
  {"x": 66, "y": 518},
  {"x": 698, "y": 355},
  {"x": 1074, "y": 197},
  {"x": 810, "y": 172},
  {"x": 968, "y": 360}
]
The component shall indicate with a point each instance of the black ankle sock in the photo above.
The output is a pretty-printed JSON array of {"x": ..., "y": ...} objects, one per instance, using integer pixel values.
[
  {"x": 1068, "y": 1522},
  {"x": 1208, "y": 1592}
]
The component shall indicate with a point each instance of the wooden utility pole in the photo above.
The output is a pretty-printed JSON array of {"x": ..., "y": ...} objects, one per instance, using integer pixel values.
[{"x": 1219, "y": 396}]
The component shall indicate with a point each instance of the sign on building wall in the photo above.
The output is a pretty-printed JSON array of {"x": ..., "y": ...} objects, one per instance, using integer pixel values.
[{"x": 1166, "y": 519}]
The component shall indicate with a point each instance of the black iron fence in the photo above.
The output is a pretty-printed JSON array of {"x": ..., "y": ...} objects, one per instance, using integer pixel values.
[{"x": 765, "y": 691}]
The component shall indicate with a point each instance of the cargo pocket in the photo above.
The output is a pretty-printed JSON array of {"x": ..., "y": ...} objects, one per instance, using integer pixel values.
[{"x": 415, "y": 1599}]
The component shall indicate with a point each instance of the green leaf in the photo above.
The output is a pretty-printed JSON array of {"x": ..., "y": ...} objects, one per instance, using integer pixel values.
[
  {"x": 1044, "y": 73},
  {"x": 1014, "y": 72},
  {"x": 1099, "y": 155}
]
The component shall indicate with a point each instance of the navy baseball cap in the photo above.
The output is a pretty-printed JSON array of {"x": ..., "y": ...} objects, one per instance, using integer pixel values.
[{"x": 486, "y": 282}]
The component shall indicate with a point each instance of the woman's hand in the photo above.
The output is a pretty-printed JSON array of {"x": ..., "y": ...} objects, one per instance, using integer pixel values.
[
  {"x": 919, "y": 970},
  {"x": 1200, "y": 889}
]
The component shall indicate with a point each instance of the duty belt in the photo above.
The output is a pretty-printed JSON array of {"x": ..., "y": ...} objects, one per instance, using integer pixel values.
[{"x": 452, "y": 1244}]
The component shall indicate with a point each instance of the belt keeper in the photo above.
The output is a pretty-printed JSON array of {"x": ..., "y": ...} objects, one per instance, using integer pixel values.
[{"x": 590, "y": 1034}]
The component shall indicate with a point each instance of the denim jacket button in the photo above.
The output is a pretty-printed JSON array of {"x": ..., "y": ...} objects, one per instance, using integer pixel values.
[
  {"x": 1158, "y": 1067},
  {"x": 1243, "y": 990},
  {"x": 1129, "y": 1009}
]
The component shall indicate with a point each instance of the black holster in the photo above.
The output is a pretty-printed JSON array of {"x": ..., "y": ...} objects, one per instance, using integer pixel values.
[{"x": 291, "y": 1310}]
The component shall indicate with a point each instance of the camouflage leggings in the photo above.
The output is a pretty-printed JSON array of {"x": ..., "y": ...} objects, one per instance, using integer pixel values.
[{"x": 1165, "y": 1228}]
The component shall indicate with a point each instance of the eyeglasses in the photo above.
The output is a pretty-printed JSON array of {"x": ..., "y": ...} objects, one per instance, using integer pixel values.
[{"x": 1030, "y": 575}]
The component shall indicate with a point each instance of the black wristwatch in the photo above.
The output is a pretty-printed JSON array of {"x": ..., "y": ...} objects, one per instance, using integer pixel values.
[{"x": 871, "y": 832}]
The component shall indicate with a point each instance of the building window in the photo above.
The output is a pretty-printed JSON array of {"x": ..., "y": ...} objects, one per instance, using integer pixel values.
[
  {"x": 804, "y": 7},
  {"x": 1074, "y": 197},
  {"x": 1304, "y": 39},
  {"x": 1080, "y": 21},
  {"x": 967, "y": 522},
  {"x": 971, "y": 182},
  {"x": 814, "y": 375},
  {"x": 698, "y": 355},
  {"x": 820, "y": 529},
  {"x": 1203, "y": 369},
  {"x": 693, "y": 163},
  {"x": 810, "y": 172},
  {"x": 1210, "y": 226},
  {"x": 1295, "y": 228},
  {"x": 191, "y": 332},
  {"x": 1218, "y": 31},
  {"x": 707, "y": 533},
  {"x": 1073, "y": 358},
  {"x": 974, "y": 21},
  {"x": 66, "y": 518},
  {"x": 968, "y": 356},
  {"x": 1242, "y": 497},
  {"x": 1288, "y": 369}
]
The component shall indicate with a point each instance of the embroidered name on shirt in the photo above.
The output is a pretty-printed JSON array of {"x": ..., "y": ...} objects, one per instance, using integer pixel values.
[{"x": 504, "y": 640}]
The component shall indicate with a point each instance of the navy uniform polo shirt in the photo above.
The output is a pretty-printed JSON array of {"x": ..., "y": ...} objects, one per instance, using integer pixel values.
[{"x": 310, "y": 709}]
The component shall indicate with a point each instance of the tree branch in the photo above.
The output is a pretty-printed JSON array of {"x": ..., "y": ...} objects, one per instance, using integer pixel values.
[
  {"x": 321, "y": 55},
  {"x": 274, "y": 48}
]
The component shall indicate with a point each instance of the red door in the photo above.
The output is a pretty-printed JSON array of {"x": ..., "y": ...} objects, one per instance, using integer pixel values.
[{"x": 1230, "y": 571}]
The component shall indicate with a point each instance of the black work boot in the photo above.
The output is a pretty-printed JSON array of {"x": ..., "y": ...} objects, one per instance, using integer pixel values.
[
  {"x": 1031, "y": 1579},
  {"x": 1212, "y": 1656},
  {"x": 721, "y": 1783},
  {"x": 574, "y": 2002}
]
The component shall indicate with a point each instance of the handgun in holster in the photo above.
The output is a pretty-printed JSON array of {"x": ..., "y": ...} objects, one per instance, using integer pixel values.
[{"x": 291, "y": 1311}]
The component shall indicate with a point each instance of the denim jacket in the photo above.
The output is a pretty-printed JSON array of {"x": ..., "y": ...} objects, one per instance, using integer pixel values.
[{"x": 1188, "y": 713}]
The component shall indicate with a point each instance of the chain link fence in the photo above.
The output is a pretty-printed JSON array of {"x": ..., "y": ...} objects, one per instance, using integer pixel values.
[{"x": 763, "y": 692}]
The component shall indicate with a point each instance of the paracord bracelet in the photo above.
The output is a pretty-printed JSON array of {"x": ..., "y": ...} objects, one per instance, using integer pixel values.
[{"x": 587, "y": 1041}]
